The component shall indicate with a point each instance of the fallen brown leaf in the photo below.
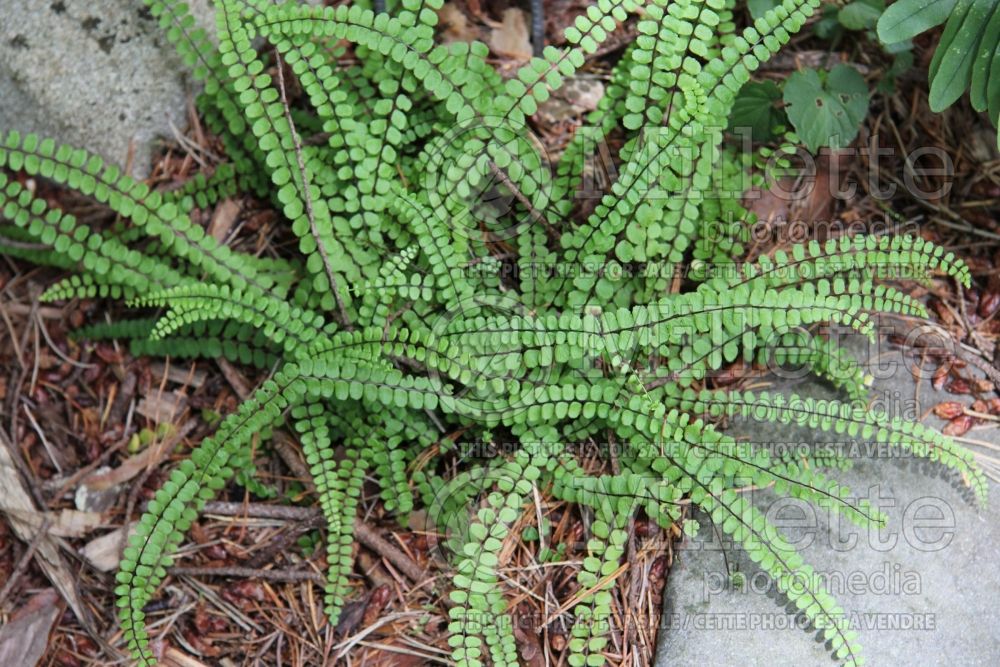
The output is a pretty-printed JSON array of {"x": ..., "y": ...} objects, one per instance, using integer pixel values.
[
  {"x": 104, "y": 552},
  {"x": 64, "y": 523},
  {"x": 455, "y": 25},
  {"x": 16, "y": 502},
  {"x": 25, "y": 637},
  {"x": 511, "y": 38},
  {"x": 134, "y": 465},
  {"x": 163, "y": 406},
  {"x": 223, "y": 219}
]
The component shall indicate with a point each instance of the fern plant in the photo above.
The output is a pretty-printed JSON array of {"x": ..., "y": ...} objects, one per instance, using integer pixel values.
[{"x": 432, "y": 291}]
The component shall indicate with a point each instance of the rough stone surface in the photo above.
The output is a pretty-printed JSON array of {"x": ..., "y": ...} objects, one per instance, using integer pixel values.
[
  {"x": 921, "y": 592},
  {"x": 98, "y": 74}
]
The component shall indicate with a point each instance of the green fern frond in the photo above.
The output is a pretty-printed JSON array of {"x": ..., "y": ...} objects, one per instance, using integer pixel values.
[
  {"x": 851, "y": 418},
  {"x": 177, "y": 504},
  {"x": 286, "y": 325}
]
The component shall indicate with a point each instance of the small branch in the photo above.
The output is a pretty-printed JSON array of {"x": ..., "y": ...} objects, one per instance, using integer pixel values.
[
  {"x": 283, "y": 444},
  {"x": 986, "y": 367},
  {"x": 368, "y": 537},
  {"x": 262, "y": 511},
  {"x": 70, "y": 482},
  {"x": 283, "y": 541},
  {"x": 374, "y": 570},
  {"x": 970, "y": 330},
  {"x": 248, "y": 573},
  {"x": 235, "y": 378},
  {"x": 365, "y": 534}
]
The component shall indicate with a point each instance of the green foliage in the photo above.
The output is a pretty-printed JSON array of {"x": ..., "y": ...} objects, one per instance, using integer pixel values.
[
  {"x": 446, "y": 282},
  {"x": 754, "y": 108},
  {"x": 861, "y": 14},
  {"x": 968, "y": 54},
  {"x": 826, "y": 108},
  {"x": 758, "y": 8}
]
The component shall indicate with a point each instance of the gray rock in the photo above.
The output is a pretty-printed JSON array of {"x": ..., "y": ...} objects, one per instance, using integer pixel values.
[
  {"x": 98, "y": 74},
  {"x": 921, "y": 592}
]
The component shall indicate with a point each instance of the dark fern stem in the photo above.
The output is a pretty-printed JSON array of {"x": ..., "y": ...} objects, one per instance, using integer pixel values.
[{"x": 537, "y": 27}]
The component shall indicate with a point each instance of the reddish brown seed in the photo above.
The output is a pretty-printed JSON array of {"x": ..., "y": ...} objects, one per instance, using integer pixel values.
[
  {"x": 994, "y": 404},
  {"x": 251, "y": 590},
  {"x": 979, "y": 406},
  {"x": 982, "y": 386},
  {"x": 958, "y": 426},
  {"x": 948, "y": 409},
  {"x": 659, "y": 568},
  {"x": 216, "y": 552},
  {"x": 108, "y": 354},
  {"x": 989, "y": 304},
  {"x": 959, "y": 386},
  {"x": 207, "y": 623},
  {"x": 67, "y": 660}
]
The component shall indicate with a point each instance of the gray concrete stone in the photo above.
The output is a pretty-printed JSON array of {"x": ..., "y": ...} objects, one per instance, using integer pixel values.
[
  {"x": 921, "y": 592},
  {"x": 98, "y": 74}
]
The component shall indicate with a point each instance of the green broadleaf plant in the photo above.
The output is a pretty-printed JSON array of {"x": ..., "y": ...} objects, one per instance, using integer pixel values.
[
  {"x": 967, "y": 56},
  {"x": 826, "y": 108},
  {"x": 860, "y": 14},
  {"x": 423, "y": 299},
  {"x": 754, "y": 108}
]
